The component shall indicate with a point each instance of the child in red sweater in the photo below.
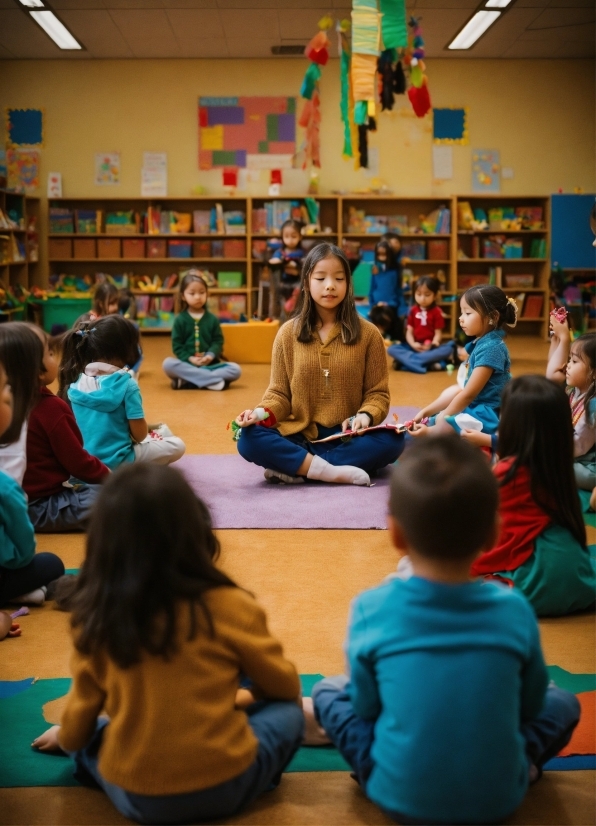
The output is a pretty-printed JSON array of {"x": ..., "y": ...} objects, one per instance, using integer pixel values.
[{"x": 55, "y": 455}]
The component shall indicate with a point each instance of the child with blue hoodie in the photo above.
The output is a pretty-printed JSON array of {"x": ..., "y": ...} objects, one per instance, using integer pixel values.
[{"x": 95, "y": 377}]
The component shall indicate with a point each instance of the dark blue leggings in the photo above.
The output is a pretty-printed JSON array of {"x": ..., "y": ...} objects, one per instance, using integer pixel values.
[{"x": 42, "y": 569}]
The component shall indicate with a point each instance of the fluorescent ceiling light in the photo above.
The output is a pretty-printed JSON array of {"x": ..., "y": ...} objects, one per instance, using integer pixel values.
[
  {"x": 497, "y": 4},
  {"x": 55, "y": 29},
  {"x": 473, "y": 29},
  {"x": 32, "y": 4}
]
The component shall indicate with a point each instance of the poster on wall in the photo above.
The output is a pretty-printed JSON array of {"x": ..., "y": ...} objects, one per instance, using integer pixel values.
[
  {"x": 24, "y": 127},
  {"x": 23, "y": 170},
  {"x": 154, "y": 174},
  {"x": 486, "y": 170},
  {"x": 247, "y": 132},
  {"x": 442, "y": 163},
  {"x": 54, "y": 184},
  {"x": 107, "y": 168},
  {"x": 450, "y": 126}
]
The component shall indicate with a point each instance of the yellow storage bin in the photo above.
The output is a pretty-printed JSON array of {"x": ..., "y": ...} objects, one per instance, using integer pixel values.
[{"x": 250, "y": 342}]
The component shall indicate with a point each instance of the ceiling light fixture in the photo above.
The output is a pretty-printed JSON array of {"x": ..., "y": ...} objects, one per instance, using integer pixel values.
[
  {"x": 497, "y": 4},
  {"x": 55, "y": 29},
  {"x": 474, "y": 28},
  {"x": 32, "y": 4}
]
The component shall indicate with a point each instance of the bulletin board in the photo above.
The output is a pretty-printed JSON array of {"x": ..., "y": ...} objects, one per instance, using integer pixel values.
[
  {"x": 571, "y": 238},
  {"x": 247, "y": 132}
]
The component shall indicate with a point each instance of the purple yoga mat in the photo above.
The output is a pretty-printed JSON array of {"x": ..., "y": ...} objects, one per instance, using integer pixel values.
[{"x": 239, "y": 497}]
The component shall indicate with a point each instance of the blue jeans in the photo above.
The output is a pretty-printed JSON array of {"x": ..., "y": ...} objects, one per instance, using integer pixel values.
[
  {"x": 67, "y": 510},
  {"x": 43, "y": 569},
  {"x": 545, "y": 736},
  {"x": 279, "y": 728},
  {"x": 201, "y": 376},
  {"x": 265, "y": 446},
  {"x": 416, "y": 362}
]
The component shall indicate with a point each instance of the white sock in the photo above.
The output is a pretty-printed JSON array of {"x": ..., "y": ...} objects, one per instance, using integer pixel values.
[
  {"x": 340, "y": 474},
  {"x": 37, "y": 597},
  {"x": 219, "y": 385}
]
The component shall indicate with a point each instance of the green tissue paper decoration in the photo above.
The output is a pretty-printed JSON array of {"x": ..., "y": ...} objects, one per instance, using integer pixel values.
[
  {"x": 311, "y": 77},
  {"x": 394, "y": 26}
]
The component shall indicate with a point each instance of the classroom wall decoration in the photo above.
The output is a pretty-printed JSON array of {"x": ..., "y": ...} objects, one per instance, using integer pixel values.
[
  {"x": 107, "y": 168},
  {"x": 24, "y": 127},
  {"x": 251, "y": 132},
  {"x": 23, "y": 170},
  {"x": 450, "y": 126},
  {"x": 317, "y": 51},
  {"x": 486, "y": 171}
]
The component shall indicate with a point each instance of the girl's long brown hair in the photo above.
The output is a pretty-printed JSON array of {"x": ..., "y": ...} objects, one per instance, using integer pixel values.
[{"x": 306, "y": 317}]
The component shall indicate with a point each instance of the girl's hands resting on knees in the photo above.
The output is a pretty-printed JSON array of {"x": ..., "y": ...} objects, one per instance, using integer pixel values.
[
  {"x": 358, "y": 422},
  {"x": 246, "y": 418},
  {"x": 476, "y": 437},
  {"x": 48, "y": 741}
]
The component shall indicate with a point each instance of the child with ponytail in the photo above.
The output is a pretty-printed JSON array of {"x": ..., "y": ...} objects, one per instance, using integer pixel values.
[{"x": 95, "y": 377}]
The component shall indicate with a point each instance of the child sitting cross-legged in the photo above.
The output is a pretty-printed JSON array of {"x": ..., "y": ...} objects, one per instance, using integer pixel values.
[
  {"x": 55, "y": 454},
  {"x": 162, "y": 640},
  {"x": 447, "y": 714},
  {"x": 197, "y": 341}
]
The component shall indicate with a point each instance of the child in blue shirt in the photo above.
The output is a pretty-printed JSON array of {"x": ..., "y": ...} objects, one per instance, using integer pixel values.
[
  {"x": 385, "y": 282},
  {"x": 485, "y": 311},
  {"x": 447, "y": 714},
  {"x": 95, "y": 377}
]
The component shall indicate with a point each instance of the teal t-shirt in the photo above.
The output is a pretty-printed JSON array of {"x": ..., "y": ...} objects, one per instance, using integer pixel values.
[
  {"x": 448, "y": 673},
  {"x": 17, "y": 538},
  {"x": 102, "y": 406}
]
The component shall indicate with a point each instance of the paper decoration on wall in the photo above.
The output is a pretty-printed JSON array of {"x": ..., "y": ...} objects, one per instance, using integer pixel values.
[
  {"x": 154, "y": 175},
  {"x": 393, "y": 24},
  {"x": 54, "y": 184},
  {"x": 107, "y": 168},
  {"x": 23, "y": 170},
  {"x": 24, "y": 127},
  {"x": 317, "y": 51},
  {"x": 442, "y": 163},
  {"x": 253, "y": 132},
  {"x": 450, "y": 126},
  {"x": 366, "y": 45},
  {"x": 230, "y": 177},
  {"x": 486, "y": 170}
]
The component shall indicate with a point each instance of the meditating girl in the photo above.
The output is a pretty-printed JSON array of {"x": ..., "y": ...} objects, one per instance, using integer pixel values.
[
  {"x": 485, "y": 311},
  {"x": 328, "y": 375},
  {"x": 542, "y": 542}
]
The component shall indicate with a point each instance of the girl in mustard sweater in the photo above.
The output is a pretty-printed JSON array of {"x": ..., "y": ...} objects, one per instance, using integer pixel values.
[
  {"x": 161, "y": 639},
  {"x": 328, "y": 375}
]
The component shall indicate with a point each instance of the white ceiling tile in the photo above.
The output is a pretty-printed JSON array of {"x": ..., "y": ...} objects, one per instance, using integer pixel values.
[
  {"x": 139, "y": 28},
  {"x": 299, "y": 24},
  {"x": 204, "y": 47},
  {"x": 579, "y": 34},
  {"x": 534, "y": 50},
  {"x": 246, "y": 24},
  {"x": 201, "y": 23},
  {"x": 445, "y": 4},
  {"x": 249, "y": 47},
  {"x": 98, "y": 32},
  {"x": 564, "y": 17},
  {"x": 24, "y": 38}
]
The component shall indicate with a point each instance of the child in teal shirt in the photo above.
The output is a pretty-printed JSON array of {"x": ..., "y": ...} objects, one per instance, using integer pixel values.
[{"x": 447, "y": 715}]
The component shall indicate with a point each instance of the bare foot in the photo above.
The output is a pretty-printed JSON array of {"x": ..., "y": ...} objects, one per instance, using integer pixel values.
[
  {"x": 314, "y": 734},
  {"x": 48, "y": 741}
]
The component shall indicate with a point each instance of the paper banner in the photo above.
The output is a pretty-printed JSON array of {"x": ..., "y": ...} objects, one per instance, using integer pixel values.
[
  {"x": 154, "y": 175},
  {"x": 24, "y": 127},
  {"x": 54, "y": 184},
  {"x": 107, "y": 168}
]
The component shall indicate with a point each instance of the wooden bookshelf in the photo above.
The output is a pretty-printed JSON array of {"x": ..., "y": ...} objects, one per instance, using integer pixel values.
[
  {"x": 334, "y": 211},
  {"x": 22, "y": 268}
]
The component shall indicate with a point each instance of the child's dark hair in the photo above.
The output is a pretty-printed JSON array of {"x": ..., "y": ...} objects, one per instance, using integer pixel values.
[
  {"x": 21, "y": 353},
  {"x": 385, "y": 318},
  {"x": 106, "y": 338},
  {"x": 450, "y": 479},
  {"x": 431, "y": 283},
  {"x": 535, "y": 431},
  {"x": 291, "y": 223},
  {"x": 391, "y": 236},
  {"x": 491, "y": 302},
  {"x": 305, "y": 315},
  {"x": 104, "y": 295},
  {"x": 150, "y": 547},
  {"x": 585, "y": 347},
  {"x": 189, "y": 278},
  {"x": 391, "y": 260}
]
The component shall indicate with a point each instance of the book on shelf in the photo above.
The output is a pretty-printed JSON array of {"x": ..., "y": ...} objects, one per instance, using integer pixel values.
[
  {"x": 122, "y": 223},
  {"x": 88, "y": 221},
  {"x": 538, "y": 248},
  {"x": 61, "y": 220},
  {"x": 533, "y": 305}
]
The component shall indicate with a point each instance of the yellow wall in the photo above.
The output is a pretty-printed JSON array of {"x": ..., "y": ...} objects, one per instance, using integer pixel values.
[{"x": 539, "y": 114}]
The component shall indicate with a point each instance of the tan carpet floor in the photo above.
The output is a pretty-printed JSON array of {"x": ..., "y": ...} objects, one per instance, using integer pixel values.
[{"x": 305, "y": 580}]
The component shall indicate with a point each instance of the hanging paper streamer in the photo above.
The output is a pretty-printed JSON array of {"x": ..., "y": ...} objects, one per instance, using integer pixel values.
[
  {"x": 346, "y": 97},
  {"x": 318, "y": 53},
  {"x": 393, "y": 24},
  {"x": 418, "y": 92},
  {"x": 364, "y": 67},
  {"x": 366, "y": 42}
]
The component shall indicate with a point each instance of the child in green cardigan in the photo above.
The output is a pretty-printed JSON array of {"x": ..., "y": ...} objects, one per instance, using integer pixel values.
[{"x": 197, "y": 341}]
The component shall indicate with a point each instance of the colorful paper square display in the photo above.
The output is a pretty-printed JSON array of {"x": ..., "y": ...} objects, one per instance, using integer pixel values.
[
  {"x": 24, "y": 127},
  {"x": 450, "y": 126},
  {"x": 230, "y": 129}
]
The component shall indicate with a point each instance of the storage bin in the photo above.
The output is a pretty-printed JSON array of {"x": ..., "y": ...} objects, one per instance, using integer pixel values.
[
  {"x": 133, "y": 248},
  {"x": 108, "y": 248},
  {"x": 234, "y": 248},
  {"x": 84, "y": 248},
  {"x": 156, "y": 248},
  {"x": 201, "y": 249},
  {"x": 230, "y": 280},
  {"x": 464, "y": 282},
  {"x": 438, "y": 250},
  {"x": 63, "y": 311},
  {"x": 518, "y": 280},
  {"x": 59, "y": 249},
  {"x": 179, "y": 249}
]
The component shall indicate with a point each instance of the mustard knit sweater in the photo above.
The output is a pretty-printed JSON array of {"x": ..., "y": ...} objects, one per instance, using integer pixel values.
[
  {"x": 326, "y": 382},
  {"x": 173, "y": 725}
]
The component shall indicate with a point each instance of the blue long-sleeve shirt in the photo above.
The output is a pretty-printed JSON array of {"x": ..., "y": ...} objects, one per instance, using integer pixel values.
[
  {"x": 17, "y": 538},
  {"x": 449, "y": 673}
]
